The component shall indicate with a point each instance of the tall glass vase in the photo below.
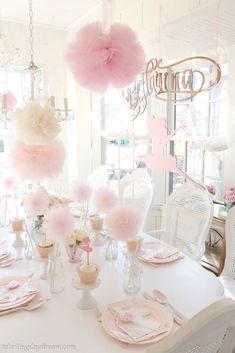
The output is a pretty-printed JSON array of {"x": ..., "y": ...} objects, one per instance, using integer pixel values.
[
  {"x": 56, "y": 272},
  {"x": 111, "y": 249},
  {"x": 131, "y": 275},
  {"x": 30, "y": 246}
]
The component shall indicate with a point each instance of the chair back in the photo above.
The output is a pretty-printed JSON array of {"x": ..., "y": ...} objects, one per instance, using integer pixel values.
[
  {"x": 136, "y": 189},
  {"x": 229, "y": 266},
  {"x": 189, "y": 212},
  {"x": 210, "y": 331}
]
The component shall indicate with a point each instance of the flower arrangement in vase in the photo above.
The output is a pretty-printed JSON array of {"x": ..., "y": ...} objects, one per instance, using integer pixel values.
[
  {"x": 211, "y": 189},
  {"x": 229, "y": 197},
  {"x": 72, "y": 244},
  {"x": 88, "y": 271}
]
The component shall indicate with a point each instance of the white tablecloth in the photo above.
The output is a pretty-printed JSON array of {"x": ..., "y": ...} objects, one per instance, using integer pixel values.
[{"x": 59, "y": 326}]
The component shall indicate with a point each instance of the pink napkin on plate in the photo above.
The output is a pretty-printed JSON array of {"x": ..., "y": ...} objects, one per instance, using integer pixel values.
[{"x": 140, "y": 324}]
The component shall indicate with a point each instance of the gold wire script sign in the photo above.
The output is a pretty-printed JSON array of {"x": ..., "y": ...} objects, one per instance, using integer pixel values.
[{"x": 177, "y": 82}]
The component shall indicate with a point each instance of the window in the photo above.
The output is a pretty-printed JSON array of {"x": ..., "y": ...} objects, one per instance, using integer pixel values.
[
  {"x": 123, "y": 143},
  {"x": 205, "y": 116}
]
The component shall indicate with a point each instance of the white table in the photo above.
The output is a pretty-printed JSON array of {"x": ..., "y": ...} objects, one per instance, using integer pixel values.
[{"x": 59, "y": 323}]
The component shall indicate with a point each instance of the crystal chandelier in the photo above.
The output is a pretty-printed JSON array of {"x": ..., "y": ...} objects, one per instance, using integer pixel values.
[
  {"x": 10, "y": 58},
  {"x": 64, "y": 114}
]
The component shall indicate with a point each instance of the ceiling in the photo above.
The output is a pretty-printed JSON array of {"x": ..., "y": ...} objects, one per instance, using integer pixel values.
[{"x": 55, "y": 13}]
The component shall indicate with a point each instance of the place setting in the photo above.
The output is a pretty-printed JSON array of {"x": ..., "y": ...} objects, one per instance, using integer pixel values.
[
  {"x": 19, "y": 293},
  {"x": 137, "y": 321},
  {"x": 156, "y": 253}
]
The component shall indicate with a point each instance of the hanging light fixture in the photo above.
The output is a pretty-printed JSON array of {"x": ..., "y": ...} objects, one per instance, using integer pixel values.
[
  {"x": 11, "y": 58},
  {"x": 64, "y": 114}
]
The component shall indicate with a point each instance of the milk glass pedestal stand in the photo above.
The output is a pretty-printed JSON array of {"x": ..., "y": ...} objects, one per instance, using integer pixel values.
[
  {"x": 87, "y": 301},
  {"x": 18, "y": 242}
]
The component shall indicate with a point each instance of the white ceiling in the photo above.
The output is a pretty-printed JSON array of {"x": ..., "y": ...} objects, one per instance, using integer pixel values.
[{"x": 55, "y": 13}]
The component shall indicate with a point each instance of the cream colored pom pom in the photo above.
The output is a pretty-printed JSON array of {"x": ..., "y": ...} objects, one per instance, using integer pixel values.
[{"x": 35, "y": 124}]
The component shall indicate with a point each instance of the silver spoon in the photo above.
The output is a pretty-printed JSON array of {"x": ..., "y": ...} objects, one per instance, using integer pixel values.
[{"x": 162, "y": 299}]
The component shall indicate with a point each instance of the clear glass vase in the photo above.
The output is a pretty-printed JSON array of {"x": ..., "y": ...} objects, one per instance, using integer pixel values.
[
  {"x": 29, "y": 247},
  {"x": 131, "y": 276},
  {"x": 111, "y": 252},
  {"x": 56, "y": 272}
]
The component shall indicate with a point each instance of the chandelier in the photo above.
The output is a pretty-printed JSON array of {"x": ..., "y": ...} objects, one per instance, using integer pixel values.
[{"x": 10, "y": 58}]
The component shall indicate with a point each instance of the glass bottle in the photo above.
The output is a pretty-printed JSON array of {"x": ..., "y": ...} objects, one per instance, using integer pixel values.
[
  {"x": 131, "y": 276},
  {"x": 56, "y": 272},
  {"x": 111, "y": 252}
]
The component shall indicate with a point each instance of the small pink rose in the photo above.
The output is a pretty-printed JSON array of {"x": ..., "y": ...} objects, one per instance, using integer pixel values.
[{"x": 126, "y": 317}]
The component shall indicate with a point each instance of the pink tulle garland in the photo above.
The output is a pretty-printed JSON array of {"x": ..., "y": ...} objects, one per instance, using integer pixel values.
[
  {"x": 99, "y": 59},
  {"x": 37, "y": 162}
]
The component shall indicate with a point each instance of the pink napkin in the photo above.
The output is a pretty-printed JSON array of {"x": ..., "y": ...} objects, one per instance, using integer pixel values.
[
  {"x": 141, "y": 324},
  {"x": 159, "y": 253}
]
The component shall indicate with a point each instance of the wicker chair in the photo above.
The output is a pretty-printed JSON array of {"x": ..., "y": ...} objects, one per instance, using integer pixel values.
[{"x": 210, "y": 331}]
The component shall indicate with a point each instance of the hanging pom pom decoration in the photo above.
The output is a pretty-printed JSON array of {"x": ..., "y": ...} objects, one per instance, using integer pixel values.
[
  {"x": 98, "y": 59},
  {"x": 35, "y": 124},
  {"x": 37, "y": 162}
]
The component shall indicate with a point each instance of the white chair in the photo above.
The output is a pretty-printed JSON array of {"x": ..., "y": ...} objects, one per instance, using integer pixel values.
[
  {"x": 99, "y": 177},
  {"x": 189, "y": 212},
  {"x": 136, "y": 189},
  {"x": 228, "y": 274},
  {"x": 210, "y": 331}
]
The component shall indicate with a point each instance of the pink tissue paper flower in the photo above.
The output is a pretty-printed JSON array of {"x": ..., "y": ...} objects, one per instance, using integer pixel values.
[
  {"x": 36, "y": 203},
  {"x": 37, "y": 162},
  {"x": 105, "y": 199},
  {"x": 99, "y": 59},
  {"x": 81, "y": 191},
  {"x": 123, "y": 222},
  {"x": 58, "y": 222}
]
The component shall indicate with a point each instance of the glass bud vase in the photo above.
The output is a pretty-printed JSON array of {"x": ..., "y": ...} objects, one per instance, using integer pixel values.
[
  {"x": 56, "y": 273},
  {"x": 111, "y": 252},
  {"x": 29, "y": 247},
  {"x": 131, "y": 276}
]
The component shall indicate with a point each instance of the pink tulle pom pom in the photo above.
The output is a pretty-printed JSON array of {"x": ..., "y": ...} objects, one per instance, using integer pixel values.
[
  {"x": 99, "y": 59},
  {"x": 105, "y": 199},
  {"x": 81, "y": 191},
  {"x": 123, "y": 222},
  {"x": 37, "y": 162},
  {"x": 36, "y": 203},
  {"x": 9, "y": 182},
  {"x": 58, "y": 222}
]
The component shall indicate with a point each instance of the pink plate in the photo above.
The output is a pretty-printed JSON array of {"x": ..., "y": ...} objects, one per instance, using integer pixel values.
[
  {"x": 162, "y": 314},
  {"x": 5, "y": 305},
  {"x": 155, "y": 260}
]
